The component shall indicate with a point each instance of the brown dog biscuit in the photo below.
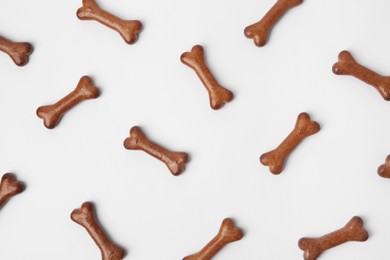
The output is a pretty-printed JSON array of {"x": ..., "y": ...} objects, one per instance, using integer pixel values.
[
  {"x": 175, "y": 161},
  {"x": 128, "y": 29},
  {"x": 19, "y": 52},
  {"x": 227, "y": 233},
  {"x": 352, "y": 231},
  {"x": 86, "y": 217},
  {"x": 259, "y": 31},
  {"x": 52, "y": 114},
  {"x": 9, "y": 187},
  {"x": 218, "y": 95},
  {"x": 275, "y": 159},
  {"x": 347, "y": 65},
  {"x": 384, "y": 169}
]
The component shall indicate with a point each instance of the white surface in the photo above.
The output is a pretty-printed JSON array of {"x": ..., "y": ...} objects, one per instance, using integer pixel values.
[{"x": 328, "y": 179}]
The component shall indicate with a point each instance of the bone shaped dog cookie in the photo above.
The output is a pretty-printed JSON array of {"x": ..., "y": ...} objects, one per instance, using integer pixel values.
[
  {"x": 352, "y": 231},
  {"x": 9, "y": 187},
  {"x": 86, "y": 217},
  {"x": 218, "y": 95},
  {"x": 347, "y": 65},
  {"x": 52, "y": 114},
  {"x": 128, "y": 29},
  {"x": 384, "y": 169},
  {"x": 227, "y": 233},
  {"x": 259, "y": 31},
  {"x": 275, "y": 159},
  {"x": 175, "y": 161},
  {"x": 19, "y": 52}
]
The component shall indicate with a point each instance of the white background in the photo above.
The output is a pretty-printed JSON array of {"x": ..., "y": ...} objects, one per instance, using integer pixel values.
[{"x": 328, "y": 179}]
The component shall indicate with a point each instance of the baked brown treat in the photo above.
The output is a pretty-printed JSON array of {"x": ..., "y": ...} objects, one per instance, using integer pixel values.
[
  {"x": 352, "y": 231},
  {"x": 9, "y": 187},
  {"x": 227, "y": 233},
  {"x": 384, "y": 169},
  {"x": 175, "y": 161},
  {"x": 128, "y": 29},
  {"x": 259, "y": 31},
  {"x": 347, "y": 65},
  {"x": 86, "y": 217},
  {"x": 218, "y": 95},
  {"x": 52, "y": 114},
  {"x": 19, "y": 52},
  {"x": 275, "y": 159}
]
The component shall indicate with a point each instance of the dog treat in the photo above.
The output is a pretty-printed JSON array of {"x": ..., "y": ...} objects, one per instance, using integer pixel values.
[
  {"x": 347, "y": 65},
  {"x": 259, "y": 31},
  {"x": 86, "y": 217},
  {"x": 384, "y": 169},
  {"x": 128, "y": 29},
  {"x": 275, "y": 159},
  {"x": 52, "y": 114},
  {"x": 352, "y": 231},
  {"x": 175, "y": 161},
  {"x": 9, "y": 187},
  {"x": 18, "y": 51},
  {"x": 195, "y": 60},
  {"x": 227, "y": 233}
]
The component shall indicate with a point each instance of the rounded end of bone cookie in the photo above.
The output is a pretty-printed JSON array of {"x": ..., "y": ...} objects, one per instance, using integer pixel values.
[
  {"x": 310, "y": 252},
  {"x": 248, "y": 32},
  {"x": 131, "y": 142},
  {"x": 337, "y": 69},
  {"x": 79, "y": 214},
  {"x": 306, "y": 125},
  {"x": 176, "y": 172},
  {"x": 304, "y": 116},
  {"x": 220, "y": 98},
  {"x": 197, "y": 49},
  {"x": 178, "y": 166},
  {"x": 345, "y": 55},
  {"x": 384, "y": 88},
  {"x": 355, "y": 225},
  {"x": 258, "y": 34},
  {"x": 345, "y": 59},
  {"x": 258, "y": 39},
  {"x": 21, "y": 55},
  {"x": 383, "y": 171},
  {"x": 263, "y": 159},
  {"x": 84, "y": 13},
  {"x": 189, "y": 57},
  {"x": 216, "y": 105},
  {"x": 230, "y": 231},
  {"x": 275, "y": 170},
  {"x": 12, "y": 184},
  {"x": 132, "y": 31},
  {"x": 87, "y": 88},
  {"x": 29, "y": 48},
  {"x": 303, "y": 243},
  {"x": 44, "y": 113},
  {"x": 183, "y": 57},
  {"x": 267, "y": 159}
]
